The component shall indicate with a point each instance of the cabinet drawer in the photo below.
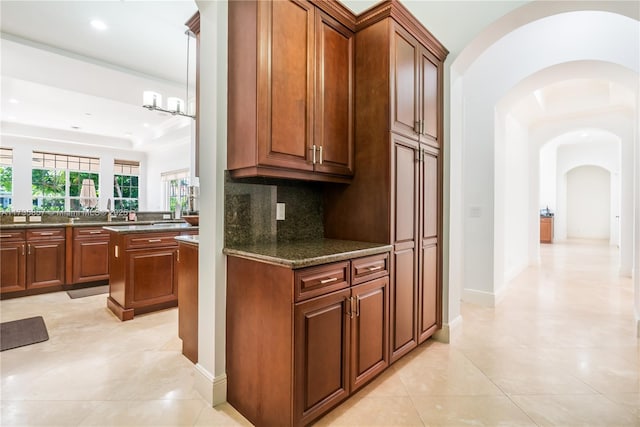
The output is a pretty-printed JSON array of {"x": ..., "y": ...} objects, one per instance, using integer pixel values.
[
  {"x": 11, "y": 235},
  {"x": 320, "y": 280},
  {"x": 369, "y": 268},
  {"x": 151, "y": 240},
  {"x": 46, "y": 234},
  {"x": 90, "y": 233}
]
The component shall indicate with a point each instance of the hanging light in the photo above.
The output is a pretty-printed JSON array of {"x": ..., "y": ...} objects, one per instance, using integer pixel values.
[{"x": 153, "y": 100}]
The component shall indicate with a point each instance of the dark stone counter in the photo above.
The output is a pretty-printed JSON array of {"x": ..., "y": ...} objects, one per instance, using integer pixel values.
[{"x": 299, "y": 254}]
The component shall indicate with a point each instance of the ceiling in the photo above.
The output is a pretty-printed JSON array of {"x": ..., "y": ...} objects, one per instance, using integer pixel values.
[{"x": 59, "y": 72}]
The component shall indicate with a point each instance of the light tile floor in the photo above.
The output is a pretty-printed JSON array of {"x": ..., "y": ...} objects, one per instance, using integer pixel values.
[{"x": 558, "y": 350}]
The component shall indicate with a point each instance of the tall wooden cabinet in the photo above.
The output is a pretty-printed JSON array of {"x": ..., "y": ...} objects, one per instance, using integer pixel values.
[
  {"x": 396, "y": 193},
  {"x": 290, "y": 99}
]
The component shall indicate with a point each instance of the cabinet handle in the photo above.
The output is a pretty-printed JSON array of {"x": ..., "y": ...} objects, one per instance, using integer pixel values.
[
  {"x": 178, "y": 254},
  {"x": 320, "y": 154},
  {"x": 314, "y": 154},
  {"x": 46, "y": 234},
  {"x": 5, "y": 235},
  {"x": 22, "y": 250},
  {"x": 357, "y": 306},
  {"x": 29, "y": 249},
  {"x": 375, "y": 268},
  {"x": 325, "y": 281},
  {"x": 155, "y": 240},
  {"x": 115, "y": 251},
  {"x": 95, "y": 232}
]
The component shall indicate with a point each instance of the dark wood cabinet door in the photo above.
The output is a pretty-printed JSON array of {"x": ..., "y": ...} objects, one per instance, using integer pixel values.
[
  {"x": 285, "y": 87},
  {"x": 12, "y": 262},
  {"x": 404, "y": 289},
  {"x": 333, "y": 116},
  {"x": 321, "y": 364},
  {"x": 90, "y": 260},
  {"x": 370, "y": 331},
  {"x": 428, "y": 97},
  {"x": 153, "y": 277},
  {"x": 429, "y": 295},
  {"x": 45, "y": 263},
  {"x": 404, "y": 83},
  {"x": 430, "y": 190}
]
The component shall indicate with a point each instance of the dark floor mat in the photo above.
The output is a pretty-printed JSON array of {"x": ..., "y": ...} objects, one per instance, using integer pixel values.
[
  {"x": 87, "y": 292},
  {"x": 18, "y": 333}
]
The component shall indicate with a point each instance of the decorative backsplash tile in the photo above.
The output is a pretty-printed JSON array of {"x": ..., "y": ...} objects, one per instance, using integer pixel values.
[{"x": 250, "y": 211}]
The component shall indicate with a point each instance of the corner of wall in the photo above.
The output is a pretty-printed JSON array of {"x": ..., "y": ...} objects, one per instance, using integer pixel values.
[
  {"x": 449, "y": 331},
  {"x": 473, "y": 296}
]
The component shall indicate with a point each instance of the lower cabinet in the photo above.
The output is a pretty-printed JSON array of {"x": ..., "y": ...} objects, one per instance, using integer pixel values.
[
  {"x": 339, "y": 338},
  {"x": 142, "y": 272},
  {"x": 45, "y": 258},
  {"x": 90, "y": 254},
  {"x": 13, "y": 261},
  {"x": 188, "y": 299}
]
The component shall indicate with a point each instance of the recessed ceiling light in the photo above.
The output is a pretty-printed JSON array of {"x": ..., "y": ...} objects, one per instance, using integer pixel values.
[
  {"x": 75, "y": 127},
  {"x": 98, "y": 25},
  {"x": 88, "y": 114},
  {"x": 13, "y": 101},
  {"x": 145, "y": 125},
  {"x": 128, "y": 134},
  {"x": 11, "y": 118}
]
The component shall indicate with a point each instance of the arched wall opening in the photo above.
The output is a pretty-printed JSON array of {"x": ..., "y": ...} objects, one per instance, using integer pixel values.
[{"x": 478, "y": 264}]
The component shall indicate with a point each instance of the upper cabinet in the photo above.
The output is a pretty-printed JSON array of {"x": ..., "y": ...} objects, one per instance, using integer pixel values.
[
  {"x": 416, "y": 73},
  {"x": 290, "y": 88}
]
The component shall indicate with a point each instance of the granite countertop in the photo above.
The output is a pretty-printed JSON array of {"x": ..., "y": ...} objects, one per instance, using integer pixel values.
[
  {"x": 20, "y": 225},
  {"x": 155, "y": 227},
  {"x": 192, "y": 239},
  {"x": 300, "y": 254}
]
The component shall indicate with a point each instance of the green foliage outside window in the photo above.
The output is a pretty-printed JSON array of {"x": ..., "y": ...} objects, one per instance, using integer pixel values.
[
  {"x": 6, "y": 186},
  {"x": 48, "y": 189},
  {"x": 125, "y": 192}
]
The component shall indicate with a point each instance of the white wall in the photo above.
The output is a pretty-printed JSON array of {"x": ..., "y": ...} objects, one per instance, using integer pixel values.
[
  {"x": 167, "y": 159},
  {"x": 588, "y": 203},
  {"x": 598, "y": 36},
  {"x": 605, "y": 154},
  {"x": 516, "y": 207}
]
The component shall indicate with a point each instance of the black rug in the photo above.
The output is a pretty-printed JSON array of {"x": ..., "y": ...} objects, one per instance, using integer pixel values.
[
  {"x": 18, "y": 333},
  {"x": 87, "y": 292}
]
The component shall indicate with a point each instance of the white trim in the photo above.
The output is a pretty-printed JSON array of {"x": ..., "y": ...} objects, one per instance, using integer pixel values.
[
  {"x": 220, "y": 389},
  {"x": 449, "y": 330},
  {"x": 204, "y": 383},
  {"x": 473, "y": 296}
]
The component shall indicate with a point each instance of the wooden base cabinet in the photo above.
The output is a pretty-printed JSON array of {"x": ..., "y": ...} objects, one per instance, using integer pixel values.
[
  {"x": 142, "y": 272},
  {"x": 12, "y": 261},
  {"x": 324, "y": 345},
  {"x": 188, "y": 299},
  {"x": 45, "y": 258},
  {"x": 90, "y": 254}
]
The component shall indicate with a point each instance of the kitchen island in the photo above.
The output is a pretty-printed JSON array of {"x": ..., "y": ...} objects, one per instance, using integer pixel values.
[{"x": 143, "y": 267}]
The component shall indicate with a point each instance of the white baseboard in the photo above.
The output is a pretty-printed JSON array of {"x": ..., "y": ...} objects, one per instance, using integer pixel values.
[
  {"x": 203, "y": 380},
  {"x": 220, "y": 389},
  {"x": 449, "y": 330},
  {"x": 213, "y": 390},
  {"x": 473, "y": 296}
]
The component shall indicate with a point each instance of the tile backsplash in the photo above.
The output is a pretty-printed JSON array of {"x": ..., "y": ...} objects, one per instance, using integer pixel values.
[{"x": 250, "y": 211}]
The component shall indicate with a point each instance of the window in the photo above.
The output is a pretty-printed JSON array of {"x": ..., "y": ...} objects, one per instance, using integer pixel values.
[
  {"x": 64, "y": 183},
  {"x": 125, "y": 185},
  {"x": 176, "y": 190},
  {"x": 6, "y": 178}
]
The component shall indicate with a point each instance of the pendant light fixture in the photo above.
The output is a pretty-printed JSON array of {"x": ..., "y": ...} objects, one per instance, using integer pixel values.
[{"x": 176, "y": 106}]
